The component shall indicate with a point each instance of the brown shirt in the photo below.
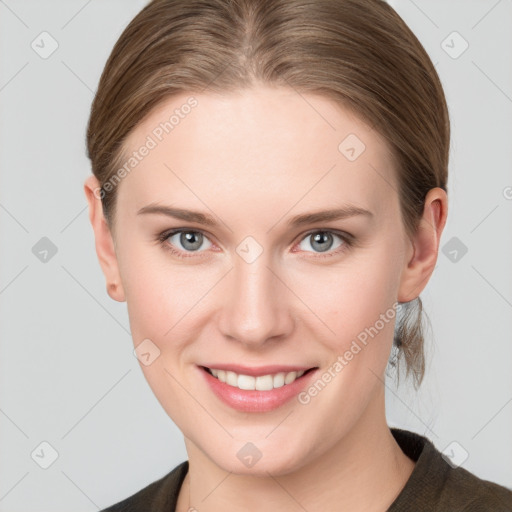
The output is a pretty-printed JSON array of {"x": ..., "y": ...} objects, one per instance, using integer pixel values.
[{"x": 434, "y": 485}]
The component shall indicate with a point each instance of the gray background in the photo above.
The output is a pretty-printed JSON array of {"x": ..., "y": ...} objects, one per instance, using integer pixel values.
[{"x": 68, "y": 376}]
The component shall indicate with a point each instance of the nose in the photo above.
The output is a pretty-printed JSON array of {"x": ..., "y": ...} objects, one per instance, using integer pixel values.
[{"x": 257, "y": 306}]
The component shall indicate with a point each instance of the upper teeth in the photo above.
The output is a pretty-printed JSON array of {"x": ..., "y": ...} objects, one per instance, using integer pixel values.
[{"x": 262, "y": 383}]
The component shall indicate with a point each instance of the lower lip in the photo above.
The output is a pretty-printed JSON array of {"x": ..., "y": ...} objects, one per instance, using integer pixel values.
[{"x": 254, "y": 400}]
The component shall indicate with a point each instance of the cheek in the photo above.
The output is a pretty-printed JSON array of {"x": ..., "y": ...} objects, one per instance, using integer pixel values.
[
  {"x": 159, "y": 292},
  {"x": 353, "y": 293},
  {"x": 358, "y": 303},
  {"x": 163, "y": 301}
]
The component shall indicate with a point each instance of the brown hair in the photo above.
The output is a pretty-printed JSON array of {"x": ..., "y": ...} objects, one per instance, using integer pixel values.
[{"x": 359, "y": 53}]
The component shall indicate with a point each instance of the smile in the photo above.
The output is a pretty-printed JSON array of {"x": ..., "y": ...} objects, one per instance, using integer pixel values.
[
  {"x": 256, "y": 393},
  {"x": 261, "y": 383}
]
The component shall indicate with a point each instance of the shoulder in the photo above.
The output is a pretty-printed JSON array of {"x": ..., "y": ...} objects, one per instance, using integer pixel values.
[
  {"x": 159, "y": 496},
  {"x": 472, "y": 494},
  {"x": 437, "y": 484}
]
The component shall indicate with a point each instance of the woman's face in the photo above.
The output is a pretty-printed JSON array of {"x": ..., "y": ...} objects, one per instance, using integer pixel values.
[{"x": 253, "y": 287}]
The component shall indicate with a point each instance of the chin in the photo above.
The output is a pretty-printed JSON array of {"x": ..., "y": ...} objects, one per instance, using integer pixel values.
[{"x": 252, "y": 459}]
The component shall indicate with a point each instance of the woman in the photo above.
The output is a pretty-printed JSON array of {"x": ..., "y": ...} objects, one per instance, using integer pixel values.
[{"x": 229, "y": 140}]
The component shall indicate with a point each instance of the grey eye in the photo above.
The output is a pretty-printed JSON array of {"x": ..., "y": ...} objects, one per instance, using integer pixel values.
[
  {"x": 322, "y": 241},
  {"x": 189, "y": 240}
]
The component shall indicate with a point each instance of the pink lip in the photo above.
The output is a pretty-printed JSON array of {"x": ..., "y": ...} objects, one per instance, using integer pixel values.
[
  {"x": 254, "y": 400},
  {"x": 259, "y": 371}
]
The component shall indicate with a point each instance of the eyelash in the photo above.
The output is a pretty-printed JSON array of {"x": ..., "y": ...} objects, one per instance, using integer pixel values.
[{"x": 348, "y": 240}]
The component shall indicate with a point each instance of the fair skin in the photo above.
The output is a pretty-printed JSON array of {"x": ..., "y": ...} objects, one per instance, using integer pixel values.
[{"x": 253, "y": 160}]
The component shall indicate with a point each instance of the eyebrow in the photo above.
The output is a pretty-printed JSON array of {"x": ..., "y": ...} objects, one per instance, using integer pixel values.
[{"x": 299, "y": 220}]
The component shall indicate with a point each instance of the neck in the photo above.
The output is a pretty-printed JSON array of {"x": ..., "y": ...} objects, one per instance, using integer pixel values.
[{"x": 364, "y": 472}]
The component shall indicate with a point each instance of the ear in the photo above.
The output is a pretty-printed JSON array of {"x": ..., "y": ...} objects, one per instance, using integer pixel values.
[
  {"x": 425, "y": 246},
  {"x": 105, "y": 248}
]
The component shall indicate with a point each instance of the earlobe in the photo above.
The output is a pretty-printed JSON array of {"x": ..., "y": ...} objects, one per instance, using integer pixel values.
[
  {"x": 116, "y": 292},
  {"x": 105, "y": 249},
  {"x": 426, "y": 240}
]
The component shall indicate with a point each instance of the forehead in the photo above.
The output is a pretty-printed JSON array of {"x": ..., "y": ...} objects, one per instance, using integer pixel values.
[{"x": 269, "y": 146}]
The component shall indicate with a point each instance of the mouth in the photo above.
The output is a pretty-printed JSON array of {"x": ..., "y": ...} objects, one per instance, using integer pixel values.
[
  {"x": 261, "y": 382},
  {"x": 258, "y": 393}
]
